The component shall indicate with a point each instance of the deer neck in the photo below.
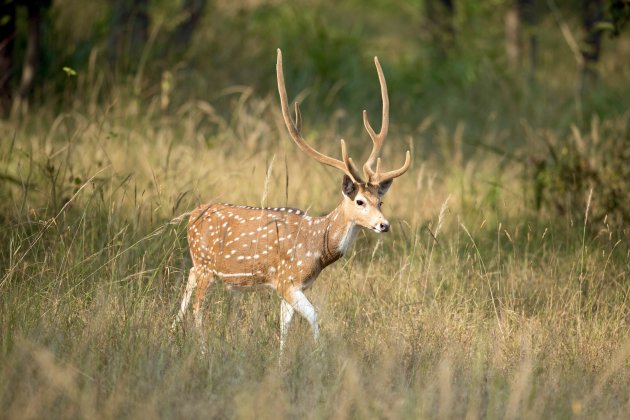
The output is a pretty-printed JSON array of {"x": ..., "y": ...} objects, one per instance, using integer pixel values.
[{"x": 339, "y": 234}]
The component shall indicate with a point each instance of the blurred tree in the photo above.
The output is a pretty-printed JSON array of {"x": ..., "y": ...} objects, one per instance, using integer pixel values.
[
  {"x": 8, "y": 32},
  {"x": 193, "y": 11},
  {"x": 513, "y": 34},
  {"x": 521, "y": 11},
  {"x": 619, "y": 15},
  {"x": 7, "y": 39},
  {"x": 592, "y": 19},
  {"x": 35, "y": 10},
  {"x": 129, "y": 31},
  {"x": 440, "y": 21}
]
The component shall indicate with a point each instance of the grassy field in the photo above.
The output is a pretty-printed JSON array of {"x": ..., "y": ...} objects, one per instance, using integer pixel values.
[
  {"x": 501, "y": 292},
  {"x": 474, "y": 306}
]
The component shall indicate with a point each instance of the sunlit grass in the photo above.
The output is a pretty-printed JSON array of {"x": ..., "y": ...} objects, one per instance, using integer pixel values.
[{"x": 474, "y": 306}]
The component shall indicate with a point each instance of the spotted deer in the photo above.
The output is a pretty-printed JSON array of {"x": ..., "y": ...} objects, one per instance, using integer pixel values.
[{"x": 284, "y": 248}]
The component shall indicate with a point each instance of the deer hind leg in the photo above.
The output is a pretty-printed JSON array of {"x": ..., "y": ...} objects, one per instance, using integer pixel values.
[
  {"x": 190, "y": 287},
  {"x": 300, "y": 303},
  {"x": 205, "y": 279}
]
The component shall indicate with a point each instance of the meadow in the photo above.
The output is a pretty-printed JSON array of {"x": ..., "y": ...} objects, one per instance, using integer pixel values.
[{"x": 479, "y": 304}]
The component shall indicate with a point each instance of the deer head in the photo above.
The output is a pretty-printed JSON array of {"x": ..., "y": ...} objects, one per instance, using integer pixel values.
[{"x": 362, "y": 194}]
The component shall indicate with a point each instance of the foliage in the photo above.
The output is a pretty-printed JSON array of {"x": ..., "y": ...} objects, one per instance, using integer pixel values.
[
  {"x": 619, "y": 11},
  {"x": 595, "y": 160}
]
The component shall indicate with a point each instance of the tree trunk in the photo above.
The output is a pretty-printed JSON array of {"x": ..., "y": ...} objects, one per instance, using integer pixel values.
[
  {"x": 31, "y": 59},
  {"x": 530, "y": 17},
  {"x": 129, "y": 31},
  {"x": 193, "y": 10},
  {"x": 593, "y": 13},
  {"x": 521, "y": 16},
  {"x": 7, "y": 39},
  {"x": 513, "y": 36},
  {"x": 440, "y": 15}
]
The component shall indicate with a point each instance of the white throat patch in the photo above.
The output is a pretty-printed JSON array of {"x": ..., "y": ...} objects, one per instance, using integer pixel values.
[{"x": 348, "y": 238}]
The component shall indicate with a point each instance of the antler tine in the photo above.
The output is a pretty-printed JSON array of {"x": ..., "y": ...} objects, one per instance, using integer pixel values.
[
  {"x": 377, "y": 139},
  {"x": 295, "y": 131},
  {"x": 354, "y": 172},
  {"x": 298, "y": 117},
  {"x": 376, "y": 177},
  {"x": 386, "y": 176}
]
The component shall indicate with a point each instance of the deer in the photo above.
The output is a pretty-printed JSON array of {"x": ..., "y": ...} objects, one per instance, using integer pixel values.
[{"x": 283, "y": 248}]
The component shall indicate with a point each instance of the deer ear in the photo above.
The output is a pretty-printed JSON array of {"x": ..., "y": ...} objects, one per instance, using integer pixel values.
[
  {"x": 348, "y": 187},
  {"x": 384, "y": 186}
]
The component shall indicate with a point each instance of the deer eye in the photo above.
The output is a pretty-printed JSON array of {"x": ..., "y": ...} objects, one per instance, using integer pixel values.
[{"x": 360, "y": 203}]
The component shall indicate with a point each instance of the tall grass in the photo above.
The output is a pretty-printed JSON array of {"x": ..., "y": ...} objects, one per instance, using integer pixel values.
[
  {"x": 474, "y": 306},
  {"x": 502, "y": 291}
]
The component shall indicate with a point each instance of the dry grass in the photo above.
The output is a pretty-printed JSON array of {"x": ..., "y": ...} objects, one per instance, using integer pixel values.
[{"x": 474, "y": 307}]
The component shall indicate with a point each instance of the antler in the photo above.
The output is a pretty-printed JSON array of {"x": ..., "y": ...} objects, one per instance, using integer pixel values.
[
  {"x": 376, "y": 177},
  {"x": 347, "y": 166}
]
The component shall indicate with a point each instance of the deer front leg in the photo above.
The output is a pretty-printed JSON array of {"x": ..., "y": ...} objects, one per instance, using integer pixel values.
[
  {"x": 300, "y": 303},
  {"x": 286, "y": 314}
]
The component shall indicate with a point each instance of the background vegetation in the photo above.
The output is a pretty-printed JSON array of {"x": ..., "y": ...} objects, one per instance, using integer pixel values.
[{"x": 502, "y": 291}]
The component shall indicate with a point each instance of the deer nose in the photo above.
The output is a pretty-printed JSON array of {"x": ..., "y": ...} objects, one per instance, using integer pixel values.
[{"x": 384, "y": 226}]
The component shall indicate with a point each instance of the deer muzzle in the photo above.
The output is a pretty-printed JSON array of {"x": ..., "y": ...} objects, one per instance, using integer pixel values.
[{"x": 382, "y": 227}]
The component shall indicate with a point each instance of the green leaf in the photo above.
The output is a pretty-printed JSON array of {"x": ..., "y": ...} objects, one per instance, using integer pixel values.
[
  {"x": 605, "y": 26},
  {"x": 69, "y": 71}
]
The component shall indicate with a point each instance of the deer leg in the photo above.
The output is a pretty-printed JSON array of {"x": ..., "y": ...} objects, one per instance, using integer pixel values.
[
  {"x": 190, "y": 287},
  {"x": 286, "y": 314},
  {"x": 204, "y": 281},
  {"x": 300, "y": 303}
]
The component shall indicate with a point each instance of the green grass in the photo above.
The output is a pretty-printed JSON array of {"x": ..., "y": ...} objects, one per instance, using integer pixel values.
[{"x": 475, "y": 306}]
